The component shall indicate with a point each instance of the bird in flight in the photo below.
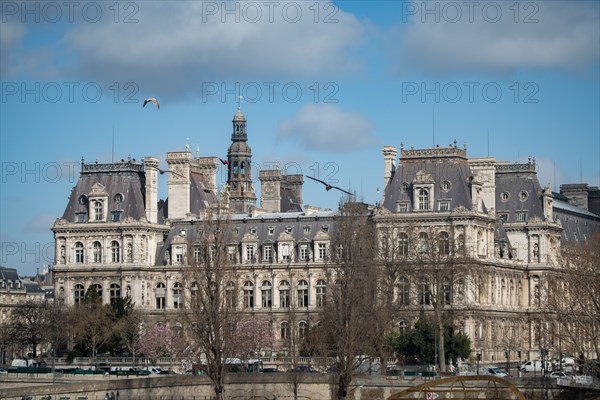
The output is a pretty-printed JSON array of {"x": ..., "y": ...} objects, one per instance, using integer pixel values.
[
  {"x": 151, "y": 100},
  {"x": 328, "y": 186},
  {"x": 162, "y": 171}
]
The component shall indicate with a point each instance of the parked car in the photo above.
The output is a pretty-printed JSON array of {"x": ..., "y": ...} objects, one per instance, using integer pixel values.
[
  {"x": 305, "y": 368},
  {"x": 558, "y": 374},
  {"x": 3, "y": 371},
  {"x": 495, "y": 371}
]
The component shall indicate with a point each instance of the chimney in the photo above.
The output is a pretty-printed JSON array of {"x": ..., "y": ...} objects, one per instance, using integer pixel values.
[
  {"x": 270, "y": 194},
  {"x": 577, "y": 193},
  {"x": 179, "y": 183},
  {"x": 295, "y": 182},
  {"x": 151, "y": 165},
  {"x": 207, "y": 167},
  {"x": 389, "y": 166}
]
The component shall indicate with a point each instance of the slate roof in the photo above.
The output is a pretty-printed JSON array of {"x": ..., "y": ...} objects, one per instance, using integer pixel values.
[
  {"x": 577, "y": 222},
  {"x": 126, "y": 178},
  {"x": 520, "y": 184},
  {"x": 201, "y": 197},
  {"x": 442, "y": 164},
  {"x": 292, "y": 223}
]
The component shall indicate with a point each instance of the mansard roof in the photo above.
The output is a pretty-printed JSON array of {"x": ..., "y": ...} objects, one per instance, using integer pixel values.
[
  {"x": 201, "y": 197},
  {"x": 126, "y": 178},
  {"x": 518, "y": 190},
  {"x": 437, "y": 165},
  {"x": 262, "y": 228},
  {"x": 578, "y": 223}
]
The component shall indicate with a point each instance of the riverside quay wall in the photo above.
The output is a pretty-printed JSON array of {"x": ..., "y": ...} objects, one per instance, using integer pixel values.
[{"x": 277, "y": 386}]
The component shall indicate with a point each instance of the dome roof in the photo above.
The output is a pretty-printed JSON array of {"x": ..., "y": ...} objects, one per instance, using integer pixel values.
[
  {"x": 239, "y": 147},
  {"x": 239, "y": 116}
]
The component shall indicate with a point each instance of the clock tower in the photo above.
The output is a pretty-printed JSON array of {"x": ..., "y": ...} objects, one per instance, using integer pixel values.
[{"x": 239, "y": 178}]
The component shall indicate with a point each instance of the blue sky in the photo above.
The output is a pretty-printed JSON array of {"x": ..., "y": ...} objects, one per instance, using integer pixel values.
[{"x": 325, "y": 84}]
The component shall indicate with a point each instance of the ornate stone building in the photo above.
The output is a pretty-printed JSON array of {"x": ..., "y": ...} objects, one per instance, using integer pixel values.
[{"x": 490, "y": 216}]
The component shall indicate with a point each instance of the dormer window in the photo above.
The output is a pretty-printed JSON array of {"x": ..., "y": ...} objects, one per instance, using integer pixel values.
[
  {"x": 288, "y": 229},
  {"x": 81, "y": 216},
  {"x": 325, "y": 228},
  {"x": 253, "y": 231},
  {"x": 98, "y": 210},
  {"x": 115, "y": 216},
  {"x": 402, "y": 207},
  {"x": 423, "y": 199},
  {"x": 444, "y": 205},
  {"x": 271, "y": 230},
  {"x": 306, "y": 228},
  {"x": 521, "y": 216}
]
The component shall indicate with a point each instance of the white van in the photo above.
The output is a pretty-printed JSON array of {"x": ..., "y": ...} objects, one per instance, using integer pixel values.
[
  {"x": 535, "y": 366},
  {"x": 21, "y": 362}
]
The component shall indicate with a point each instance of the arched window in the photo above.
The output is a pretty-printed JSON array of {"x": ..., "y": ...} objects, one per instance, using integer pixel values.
[
  {"x": 284, "y": 294},
  {"x": 235, "y": 167},
  {"x": 161, "y": 290},
  {"x": 402, "y": 327},
  {"x": 243, "y": 168},
  {"x": 98, "y": 288},
  {"x": 320, "y": 288},
  {"x": 284, "y": 330},
  {"x": 79, "y": 253},
  {"x": 302, "y": 329},
  {"x": 403, "y": 244},
  {"x": 79, "y": 293},
  {"x": 403, "y": 291},
  {"x": 266, "y": 294},
  {"x": 115, "y": 250},
  {"x": 98, "y": 211},
  {"x": 97, "y": 251},
  {"x": 230, "y": 297},
  {"x": 444, "y": 244},
  {"x": 423, "y": 199},
  {"x": 177, "y": 300},
  {"x": 248, "y": 294},
  {"x": 115, "y": 292},
  {"x": 303, "y": 293}
]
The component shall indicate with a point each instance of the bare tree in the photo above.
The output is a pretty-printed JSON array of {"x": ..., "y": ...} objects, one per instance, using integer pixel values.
[
  {"x": 573, "y": 293},
  {"x": 347, "y": 320},
  {"x": 209, "y": 315},
  {"x": 29, "y": 322},
  {"x": 93, "y": 325}
]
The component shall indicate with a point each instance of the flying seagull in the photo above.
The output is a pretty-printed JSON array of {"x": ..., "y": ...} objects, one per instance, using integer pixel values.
[
  {"x": 151, "y": 100},
  {"x": 162, "y": 171},
  {"x": 328, "y": 186}
]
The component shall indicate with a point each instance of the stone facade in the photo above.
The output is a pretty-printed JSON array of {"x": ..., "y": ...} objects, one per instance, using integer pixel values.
[{"x": 490, "y": 216}]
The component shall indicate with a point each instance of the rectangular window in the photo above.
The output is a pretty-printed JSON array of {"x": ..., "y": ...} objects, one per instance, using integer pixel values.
[
  {"x": 81, "y": 217},
  {"x": 521, "y": 216},
  {"x": 179, "y": 258},
  {"x": 266, "y": 298},
  {"x": 402, "y": 207},
  {"x": 268, "y": 253},
  {"x": 116, "y": 216},
  {"x": 231, "y": 253},
  {"x": 503, "y": 216},
  {"x": 249, "y": 252},
  {"x": 197, "y": 254},
  {"x": 322, "y": 251},
  {"x": 284, "y": 298},
  {"x": 285, "y": 252},
  {"x": 444, "y": 205},
  {"x": 304, "y": 252},
  {"x": 160, "y": 303}
]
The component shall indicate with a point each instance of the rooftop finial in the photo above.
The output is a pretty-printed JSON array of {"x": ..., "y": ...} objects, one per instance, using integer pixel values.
[
  {"x": 197, "y": 151},
  {"x": 187, "y": 146},
  {"x": 240, "y": 98}
]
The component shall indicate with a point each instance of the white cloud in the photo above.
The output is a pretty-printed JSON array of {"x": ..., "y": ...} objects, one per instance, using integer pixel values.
[
  {"x": 327, "y": 127},
  {"x": 565, "y": 36},
  {"x": 11, "y": 35},
  {"x": 177, "y": 45}
]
